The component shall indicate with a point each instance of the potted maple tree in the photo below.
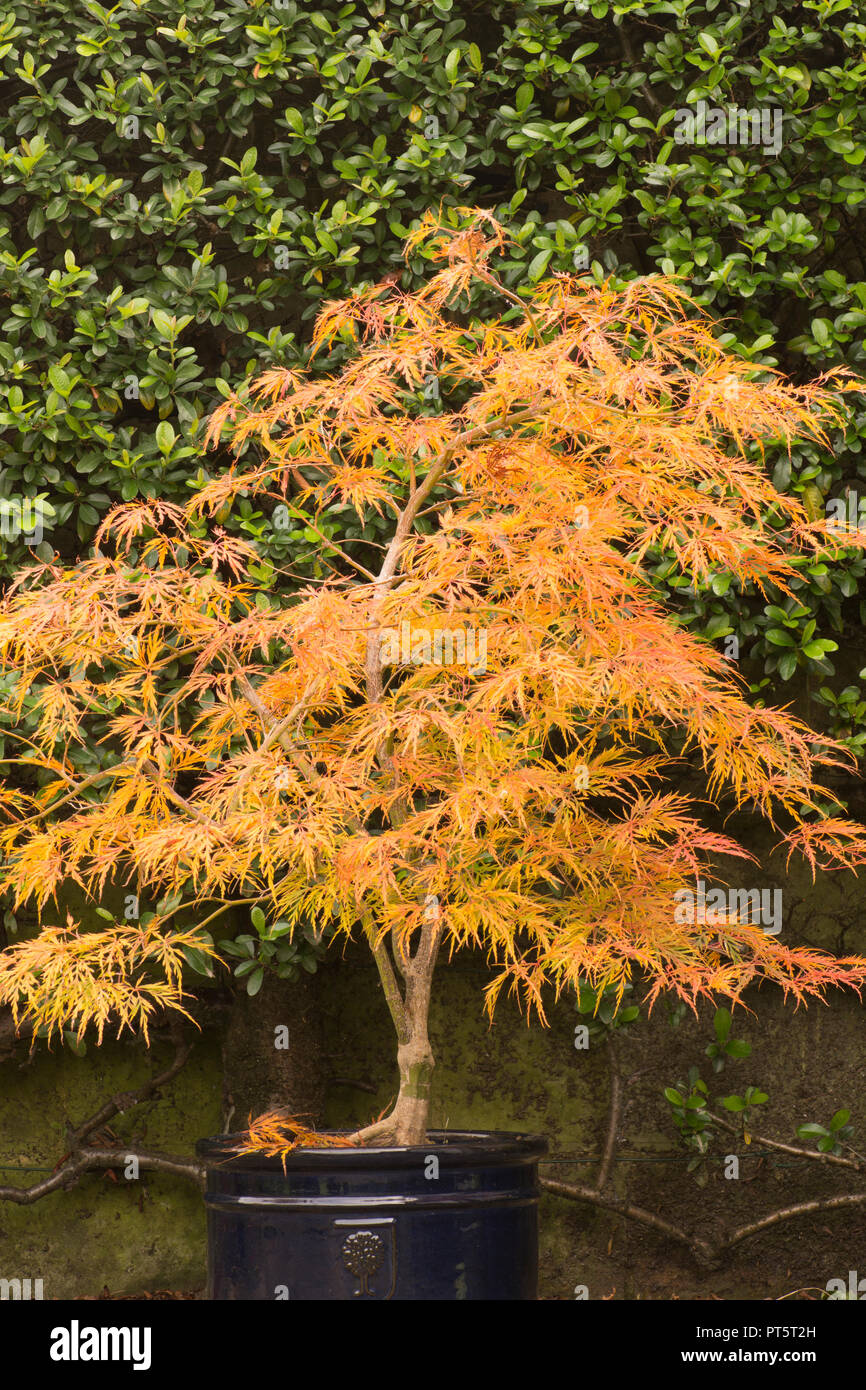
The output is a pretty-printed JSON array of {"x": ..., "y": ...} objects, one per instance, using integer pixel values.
[{"x": 456, "y": 737}]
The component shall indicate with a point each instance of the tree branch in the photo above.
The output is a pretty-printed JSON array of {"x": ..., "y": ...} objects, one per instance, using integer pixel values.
[
  {"x": 847, "y": 1199},
  {"x": 614, "y": 1105},
  {"x": 125, "y": 1100},
  {"x": 578, "y": 1193},
  {"x": 854, "y": 1164},
  {"x": 406, "y": 521},
  {"x": 393, "y": 996},
  {"x": 705, "y": 1252},
  {"x": 75, "y": 1167},
  {"x": 79, "y": 1160}
]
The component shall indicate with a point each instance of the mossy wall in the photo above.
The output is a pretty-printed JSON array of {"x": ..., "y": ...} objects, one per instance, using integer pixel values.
[
  {"x": 149, "y": 1234},
  {"x": 510, "y": 1077},
  {"x": 109, "y": 1232}
]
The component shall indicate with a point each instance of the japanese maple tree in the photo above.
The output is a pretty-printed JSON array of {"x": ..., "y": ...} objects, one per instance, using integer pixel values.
[{"x": 459, "y": 736}]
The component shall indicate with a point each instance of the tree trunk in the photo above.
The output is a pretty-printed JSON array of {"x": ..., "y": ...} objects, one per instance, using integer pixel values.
[
  {"x": 415, "y": 1061},
  {"x": 409, "y": 1008}
]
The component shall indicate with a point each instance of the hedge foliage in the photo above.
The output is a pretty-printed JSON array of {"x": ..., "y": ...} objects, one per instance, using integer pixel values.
[{"x": 183, "y": 183}]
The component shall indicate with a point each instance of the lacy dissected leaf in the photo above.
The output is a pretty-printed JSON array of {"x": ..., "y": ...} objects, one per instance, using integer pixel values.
[
  {"x": 482, "y": 724},
  {"x": 278, "y": 1133}
]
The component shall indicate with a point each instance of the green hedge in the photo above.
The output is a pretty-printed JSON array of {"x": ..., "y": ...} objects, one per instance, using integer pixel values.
[{"x": 182, "y": 184}]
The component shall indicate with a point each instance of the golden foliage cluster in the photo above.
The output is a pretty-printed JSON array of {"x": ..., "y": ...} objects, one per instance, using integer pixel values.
[
  {"x": 278, "y": 1133},
  {"x": 273, "y": 753}
]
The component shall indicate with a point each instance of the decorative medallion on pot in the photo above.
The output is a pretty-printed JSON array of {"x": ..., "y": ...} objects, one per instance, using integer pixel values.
[{"x": 364, "y": 1255}]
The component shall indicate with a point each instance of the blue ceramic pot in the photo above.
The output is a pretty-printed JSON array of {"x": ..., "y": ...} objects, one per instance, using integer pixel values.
[{"x": 454, "y": 1218}]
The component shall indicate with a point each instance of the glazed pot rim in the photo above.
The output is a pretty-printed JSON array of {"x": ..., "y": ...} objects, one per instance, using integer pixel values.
[{"x": 457, "y": 1145}]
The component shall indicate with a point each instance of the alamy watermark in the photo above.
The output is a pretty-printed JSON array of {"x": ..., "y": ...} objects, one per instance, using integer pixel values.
[
  {"x": 21, "y": 1289},
  {"x": 846, "y": 514},
  {"x": 422, "y": 646},
  {"x": 731, "y": 125},
  {"x": 22, "y": 517},
  {"x": 855, "y": 1289},
  {"x": 718, "y": 907},
  {"x": 77, "y": 1343}
]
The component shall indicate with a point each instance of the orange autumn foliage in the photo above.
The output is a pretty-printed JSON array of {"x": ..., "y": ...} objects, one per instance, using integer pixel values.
[
  {"x": 277, "y": 1134},
  {"x": 294, "y": 756}
]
